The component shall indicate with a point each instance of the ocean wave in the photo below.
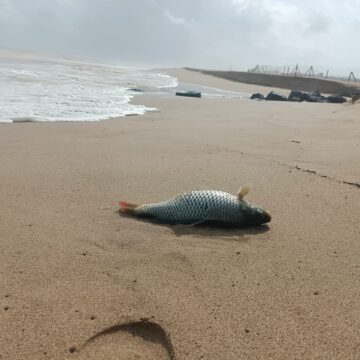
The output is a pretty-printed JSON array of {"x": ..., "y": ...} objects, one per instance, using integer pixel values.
[
  {"x": 40, "y": 91},
  {"x": 140, "y": 110}
]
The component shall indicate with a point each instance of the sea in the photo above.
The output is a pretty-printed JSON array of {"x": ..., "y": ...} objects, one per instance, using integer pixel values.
[{"x": 43, "y": 90}]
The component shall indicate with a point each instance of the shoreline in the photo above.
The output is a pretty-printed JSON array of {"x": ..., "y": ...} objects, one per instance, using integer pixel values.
[{"x": 210, "y": 86}]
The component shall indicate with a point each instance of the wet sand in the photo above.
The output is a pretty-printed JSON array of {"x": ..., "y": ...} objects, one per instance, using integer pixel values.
[{"x": 78, "y": 281}]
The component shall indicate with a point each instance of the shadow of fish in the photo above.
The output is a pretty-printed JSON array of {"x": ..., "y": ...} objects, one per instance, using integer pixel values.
[{"x": 202, "y": 206}]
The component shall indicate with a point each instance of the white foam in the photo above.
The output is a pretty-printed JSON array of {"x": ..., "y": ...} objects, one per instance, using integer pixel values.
[{"x": 55, "y": 91}]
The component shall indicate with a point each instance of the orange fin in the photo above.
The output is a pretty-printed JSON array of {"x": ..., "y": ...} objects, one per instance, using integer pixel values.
[{"x": 127, "y": 208}]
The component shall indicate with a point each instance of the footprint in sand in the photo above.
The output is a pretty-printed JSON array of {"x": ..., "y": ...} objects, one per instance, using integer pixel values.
[{"x": 140, "y": 340}]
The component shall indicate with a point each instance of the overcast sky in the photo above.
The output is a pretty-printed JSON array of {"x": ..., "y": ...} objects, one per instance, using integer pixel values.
[{"x": 202, "y": 33}]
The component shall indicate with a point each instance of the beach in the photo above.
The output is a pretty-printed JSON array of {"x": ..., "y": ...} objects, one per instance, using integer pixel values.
[{"x": 80, "y": 281}]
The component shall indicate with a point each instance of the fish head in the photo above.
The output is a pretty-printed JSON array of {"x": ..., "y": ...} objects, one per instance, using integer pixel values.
[{"x": 255, "y": 215}]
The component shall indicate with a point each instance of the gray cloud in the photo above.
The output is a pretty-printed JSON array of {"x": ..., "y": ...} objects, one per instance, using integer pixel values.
[
  {"x": 208, "y": 33},
  {"x": 318, "y": 23}
]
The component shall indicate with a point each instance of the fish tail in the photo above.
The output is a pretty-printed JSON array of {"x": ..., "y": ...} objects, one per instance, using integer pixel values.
[{"x": 127, "y": 208}]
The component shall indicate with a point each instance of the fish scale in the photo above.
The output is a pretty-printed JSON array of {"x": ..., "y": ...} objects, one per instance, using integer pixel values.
[
  {"x": 202, "y": 206},
  {"x": 195, "y": 206}
]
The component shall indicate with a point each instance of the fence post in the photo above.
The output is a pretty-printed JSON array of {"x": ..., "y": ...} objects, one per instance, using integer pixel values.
[{"x": 352, "y": 76}]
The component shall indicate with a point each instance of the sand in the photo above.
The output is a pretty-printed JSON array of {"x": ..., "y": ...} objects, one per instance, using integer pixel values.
[{"x": 78, "y": 281}]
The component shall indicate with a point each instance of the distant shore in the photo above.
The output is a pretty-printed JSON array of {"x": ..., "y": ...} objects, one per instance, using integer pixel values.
[{"x": 286, "y": 82}]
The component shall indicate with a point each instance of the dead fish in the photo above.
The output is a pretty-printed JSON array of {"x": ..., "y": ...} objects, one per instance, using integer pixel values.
[{"x": 202, "y": 206}]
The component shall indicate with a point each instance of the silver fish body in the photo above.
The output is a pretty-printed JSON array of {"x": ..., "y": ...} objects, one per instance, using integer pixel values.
[{"x": 204, "y": 206}]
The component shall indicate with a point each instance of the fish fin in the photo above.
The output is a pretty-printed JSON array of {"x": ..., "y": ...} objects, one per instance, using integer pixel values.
[
  {"x": 244, "y": 190},
  {"x": 196, "y": 222},
  {"x": 174, "y": 222},
  {"x": 156, "y": 220},
  {"x": 127, "y": 208}
]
